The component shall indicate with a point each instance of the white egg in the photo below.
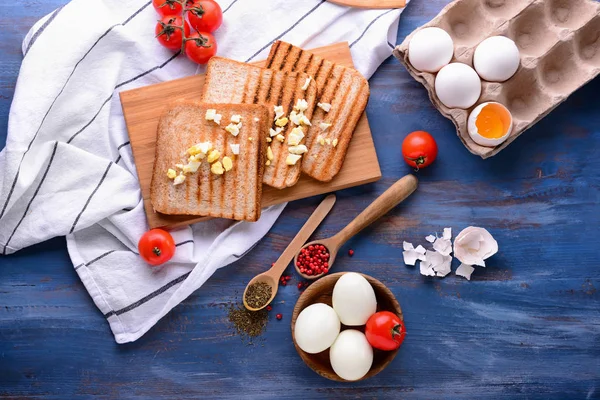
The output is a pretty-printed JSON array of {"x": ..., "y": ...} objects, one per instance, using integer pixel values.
[
  {"x": 490, "y": 124},
  {"x": 496, "y": 59},
  {"x": 457, "y": 86},
  {"x": 353, "y": 299},
  {"x": 351, "y": 355},
  {"x": 316, "y": 328},
  {"x": 430, "y": 49}
]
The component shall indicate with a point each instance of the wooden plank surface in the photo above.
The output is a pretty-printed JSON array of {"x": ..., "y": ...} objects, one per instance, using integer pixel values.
[
  {"x": 143, "y": 106},
  {"x": 525, "y": 327}
]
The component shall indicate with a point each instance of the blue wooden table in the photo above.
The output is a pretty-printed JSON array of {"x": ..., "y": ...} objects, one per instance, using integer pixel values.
[{"x": 527, "y": 326}]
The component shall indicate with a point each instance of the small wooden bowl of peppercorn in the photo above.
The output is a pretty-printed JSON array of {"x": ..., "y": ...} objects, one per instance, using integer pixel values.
[{"x": 321, "y": 291}]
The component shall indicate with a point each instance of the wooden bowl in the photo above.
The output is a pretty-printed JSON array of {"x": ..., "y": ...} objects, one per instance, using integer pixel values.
[{"x": 321, "y": 292}]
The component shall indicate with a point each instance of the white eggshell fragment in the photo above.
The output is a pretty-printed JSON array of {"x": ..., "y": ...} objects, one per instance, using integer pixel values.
[
  {"x": 502, "y": 113},
  {"x": 316, "y": 328},
  {"x": 353, "y": 299},
  {"x": 496, "y": 59},
  {"x": 474, "y": 245},
  {"x": 430, "y": 49},
  {"x": 351, "y": 355},
  {"x": 465, "y": 271},
  {"x": 458, "y": 86}
]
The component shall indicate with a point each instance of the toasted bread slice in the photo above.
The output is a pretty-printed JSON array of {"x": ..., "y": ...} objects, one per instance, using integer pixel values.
[
  {"x": 344, "y": 88},
  {"x": 229, "y": 81},
  {"x": 237, "y": 193}
]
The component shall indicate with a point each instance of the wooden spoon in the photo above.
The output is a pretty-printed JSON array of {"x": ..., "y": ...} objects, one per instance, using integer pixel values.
[
  {"x": 271, "y": 277},
  {"x": 384, "y": 203},
  {"x": 371, "y": 3}
]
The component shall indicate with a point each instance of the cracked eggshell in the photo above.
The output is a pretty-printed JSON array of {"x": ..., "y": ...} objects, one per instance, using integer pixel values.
[
  {"x": 353, "y": 299},
  {"x": 474, "y": 245},
  {"x": 502, "y": 117}
]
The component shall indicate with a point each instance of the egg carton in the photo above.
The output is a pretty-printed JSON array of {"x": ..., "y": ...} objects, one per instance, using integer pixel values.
[{"x": 559, "y": 45}]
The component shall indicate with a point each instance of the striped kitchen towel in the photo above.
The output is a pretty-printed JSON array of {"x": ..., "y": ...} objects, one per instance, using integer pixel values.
[{"x": 67, "y": 168}]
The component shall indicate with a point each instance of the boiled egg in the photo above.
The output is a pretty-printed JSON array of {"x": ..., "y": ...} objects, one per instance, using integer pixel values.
[
  {"x": 316, "y": 328},
  {"x": 490, "y": 124},
  {"x": 351, "y": 355},
  {"x": 430, "y": 49},
  {"x": 353, "y": 299},
  {"x": 457, "y": 86},
  {"x": 496, "y": 59}
]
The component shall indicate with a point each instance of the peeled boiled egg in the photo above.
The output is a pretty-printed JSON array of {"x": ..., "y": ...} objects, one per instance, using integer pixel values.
[
  {"x": 353, "y": 299},
  {"x": 496, "y": 59},
  {"x": 430, "y": 49},
  {"x": 489, "y": 124},
  {"x": 316, "y": 328},
  {"x": 458, "y": 86},
  {"x": 351, "y": 355}
]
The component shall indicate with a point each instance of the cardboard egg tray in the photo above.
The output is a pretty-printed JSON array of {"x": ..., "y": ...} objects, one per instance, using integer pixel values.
[{"x": 559, "y": 44}]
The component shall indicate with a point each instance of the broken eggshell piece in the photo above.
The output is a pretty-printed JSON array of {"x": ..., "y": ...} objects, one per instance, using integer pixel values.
[{"x": 474, "y": 245}]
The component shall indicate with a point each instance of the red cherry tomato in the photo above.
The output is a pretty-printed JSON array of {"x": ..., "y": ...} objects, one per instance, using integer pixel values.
[
  {"x": 419, "y": 149},
  {"x": 156, "y": 246},
  {"x": 385, "y": 331},
  {"x": 205, "y": 16},
  {"x": 169, "y": 32},
  {"x": 168, "y": 7},
  {"x": 200, "y": 47}
]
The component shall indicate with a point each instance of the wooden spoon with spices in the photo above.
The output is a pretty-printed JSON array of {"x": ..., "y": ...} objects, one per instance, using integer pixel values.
[
  {"x": 271, "y": 277},
  {"x": 393, "y": 196}
]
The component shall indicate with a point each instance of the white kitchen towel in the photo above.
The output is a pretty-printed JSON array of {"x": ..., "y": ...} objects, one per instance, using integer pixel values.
[{"x": 67, "y": 168}]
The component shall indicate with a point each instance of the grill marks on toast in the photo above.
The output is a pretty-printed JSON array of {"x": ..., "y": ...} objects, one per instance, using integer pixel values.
[
  {"x": 237, "y": 193},
  {"x": 344, "y": 88},
  {"x": 268, "y": 87}
]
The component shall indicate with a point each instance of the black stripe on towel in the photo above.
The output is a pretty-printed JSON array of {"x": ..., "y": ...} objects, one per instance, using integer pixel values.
[
  {"x": 32, "y": 197},
  {"x": 148, "y": 297},
  {"x": 229, "y": 6},
  {"x": 163, "y": 288},
  {"x": 87, "y": 203},
  {"x": 287, "y": 30},
  {"x": 14, "y": 183},
  {"x": 182, "y": 243},
  {"x": 100, "y": 257},
  {"x": 52, "y": 158},
  {"x": 368, "y": 26},
  {"x": 118, "y": 149},
  {"x": 117, "y": 87},
  {"x": 391, "y": 45},
  {"x": 37, "y": 34}
]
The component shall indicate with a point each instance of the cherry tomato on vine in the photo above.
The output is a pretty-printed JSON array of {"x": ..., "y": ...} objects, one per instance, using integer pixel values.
[
  {"x": 385, "y": 331},
  {"x": 419, "y": 149},
  {"x": 205, "y": 16},
  {"x": 200, "y": 47},
  {"x": 168, "y": 7},
  {"x": 156, "y": 246},
  {"x": 169, "y": 32}
]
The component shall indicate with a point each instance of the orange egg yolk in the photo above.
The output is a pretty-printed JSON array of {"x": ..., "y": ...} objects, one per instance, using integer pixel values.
[{"x": 493, "y": 121}]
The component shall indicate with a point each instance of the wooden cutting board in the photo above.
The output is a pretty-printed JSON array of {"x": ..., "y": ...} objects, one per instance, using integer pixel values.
[{"x": 143, "y": 106}]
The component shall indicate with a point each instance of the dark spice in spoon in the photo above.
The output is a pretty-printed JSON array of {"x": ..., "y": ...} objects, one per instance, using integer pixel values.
[{"x": 258, "y": 294}]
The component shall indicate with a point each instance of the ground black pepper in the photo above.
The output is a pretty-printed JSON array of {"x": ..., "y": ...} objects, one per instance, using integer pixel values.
[
  {"x": 248, "y": 323},
  {"x": 258, "y": 294}
]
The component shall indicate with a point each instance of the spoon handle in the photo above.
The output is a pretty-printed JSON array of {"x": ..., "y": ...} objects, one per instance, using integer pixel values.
[
  {"x": 393, "y": 196},
  {"x": 309, "y": 227}
]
